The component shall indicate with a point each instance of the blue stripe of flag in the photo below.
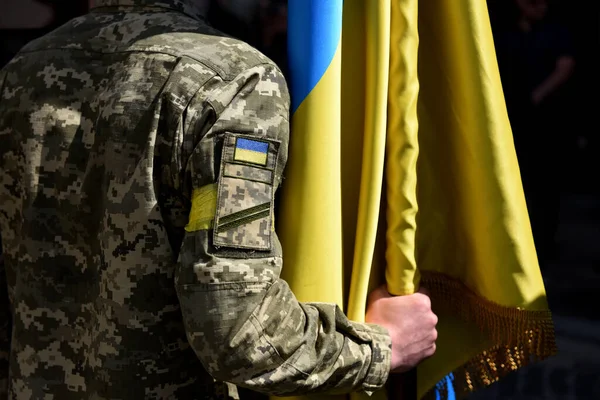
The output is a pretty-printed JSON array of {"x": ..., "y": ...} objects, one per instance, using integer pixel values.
[
  {"x": 314, "y": 32},
  {"x": 254, "y": 145}
]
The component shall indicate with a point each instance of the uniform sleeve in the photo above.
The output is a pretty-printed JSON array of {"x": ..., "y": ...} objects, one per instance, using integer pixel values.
[{"x": 242, "y": 320}]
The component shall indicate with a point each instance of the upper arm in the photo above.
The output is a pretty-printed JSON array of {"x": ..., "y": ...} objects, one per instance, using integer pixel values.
[
  {"x": 230, "y": 255},
  {"x": 244, "y": 323},
  {"x": 234, "y": 169},
  {"x": 239, "y": 159}
]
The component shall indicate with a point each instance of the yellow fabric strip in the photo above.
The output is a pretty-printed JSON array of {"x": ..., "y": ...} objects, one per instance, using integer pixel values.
[
  {"x": 311, "y": 200},
  {"x": 377, "y": 21},
  {"x": 353, "y": 101},
  {"x": 402, "y": 150},
  {"x": 311, "y": 234},
  {"x": 250, "y": 156},
  {"x": 204, "y": 206}
]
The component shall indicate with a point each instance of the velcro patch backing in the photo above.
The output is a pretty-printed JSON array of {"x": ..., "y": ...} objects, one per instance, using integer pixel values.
[{"x": 244, "y": 211}]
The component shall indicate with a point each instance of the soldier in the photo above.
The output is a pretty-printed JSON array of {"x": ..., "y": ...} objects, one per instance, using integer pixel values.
[{"x": 140, "y": 154}]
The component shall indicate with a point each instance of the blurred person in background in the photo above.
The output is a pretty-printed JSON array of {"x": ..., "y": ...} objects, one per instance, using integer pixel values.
[
  {"x": 237, "y": 18},
  {"x": 260, "y": 23},
  {"x": 24, "y": 20},
  {"x": 273, "y": 17},
  {"x": 536, "y": 60}
]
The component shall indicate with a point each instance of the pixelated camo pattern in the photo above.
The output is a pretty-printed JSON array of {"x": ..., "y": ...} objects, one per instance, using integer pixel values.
[{"x": 107, "y": 125}]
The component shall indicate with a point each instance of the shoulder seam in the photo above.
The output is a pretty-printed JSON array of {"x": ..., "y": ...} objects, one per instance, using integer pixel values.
[
  {"x": 219, "y": 71},
  {"x": 218, "y": 113},
  {"x": 218, "y": 110},
  {"x": 214, "y": 68}
]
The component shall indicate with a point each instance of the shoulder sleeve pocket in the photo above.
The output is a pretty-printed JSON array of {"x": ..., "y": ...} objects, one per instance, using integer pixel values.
[{"x": 244, "y": 214}]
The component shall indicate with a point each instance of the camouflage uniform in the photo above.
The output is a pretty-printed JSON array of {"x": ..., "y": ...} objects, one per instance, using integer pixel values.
[{"x": 119, "y": 132}]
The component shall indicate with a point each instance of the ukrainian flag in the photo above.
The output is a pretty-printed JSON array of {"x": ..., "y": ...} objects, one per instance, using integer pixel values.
[
  {"x": 311, "y": 235},
  {"x": 337, "y": 147},
  {"x": 330, "y": 208},
  {"x": 251, "y": 151},
  {"x": 414, "y": 85}
]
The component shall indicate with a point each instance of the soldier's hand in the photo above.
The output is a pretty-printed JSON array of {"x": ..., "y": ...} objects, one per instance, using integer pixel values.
[{"x": 410, "y": 323}]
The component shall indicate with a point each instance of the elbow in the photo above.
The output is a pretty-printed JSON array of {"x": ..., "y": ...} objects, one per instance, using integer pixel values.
[
  {"x": 240, "y": 356},
  {"x": 226, "y": 336}
]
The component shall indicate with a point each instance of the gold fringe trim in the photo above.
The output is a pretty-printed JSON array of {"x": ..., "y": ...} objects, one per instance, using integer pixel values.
[{"x": 520, "y": 336}]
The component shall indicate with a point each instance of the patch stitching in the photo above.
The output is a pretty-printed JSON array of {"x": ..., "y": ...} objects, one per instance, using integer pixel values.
[
  {"x": 268, "y": 181},
  {"x": 247, "y": 164}
]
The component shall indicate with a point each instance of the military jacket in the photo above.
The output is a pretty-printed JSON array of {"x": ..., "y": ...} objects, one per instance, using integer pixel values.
[{"x": 140, "y": 154}]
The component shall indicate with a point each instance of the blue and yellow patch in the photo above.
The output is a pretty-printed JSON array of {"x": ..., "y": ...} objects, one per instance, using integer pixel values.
[{"x": 251, "y": 151}]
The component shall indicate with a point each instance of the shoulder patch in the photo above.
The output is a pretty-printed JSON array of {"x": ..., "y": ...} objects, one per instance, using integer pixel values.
[
  {"x": 244, "y": 214},
  {"x": 251, "y": 151}
]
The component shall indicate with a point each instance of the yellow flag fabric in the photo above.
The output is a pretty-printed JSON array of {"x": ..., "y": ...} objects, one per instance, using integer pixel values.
[
  {"x": 413, "y": 87},
  {"x": 331, "y": 196},
  {"x": 473, "y": 242}
]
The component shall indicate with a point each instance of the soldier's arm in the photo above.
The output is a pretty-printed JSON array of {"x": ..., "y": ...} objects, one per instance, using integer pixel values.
[{"x": 242, "y": 320}]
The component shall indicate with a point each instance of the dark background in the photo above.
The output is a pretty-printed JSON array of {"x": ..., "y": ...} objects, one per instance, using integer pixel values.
[{"x": 572, "y": 269}]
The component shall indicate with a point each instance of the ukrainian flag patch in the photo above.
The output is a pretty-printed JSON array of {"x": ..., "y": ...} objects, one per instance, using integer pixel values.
[{"x": 251, "y": 151}]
